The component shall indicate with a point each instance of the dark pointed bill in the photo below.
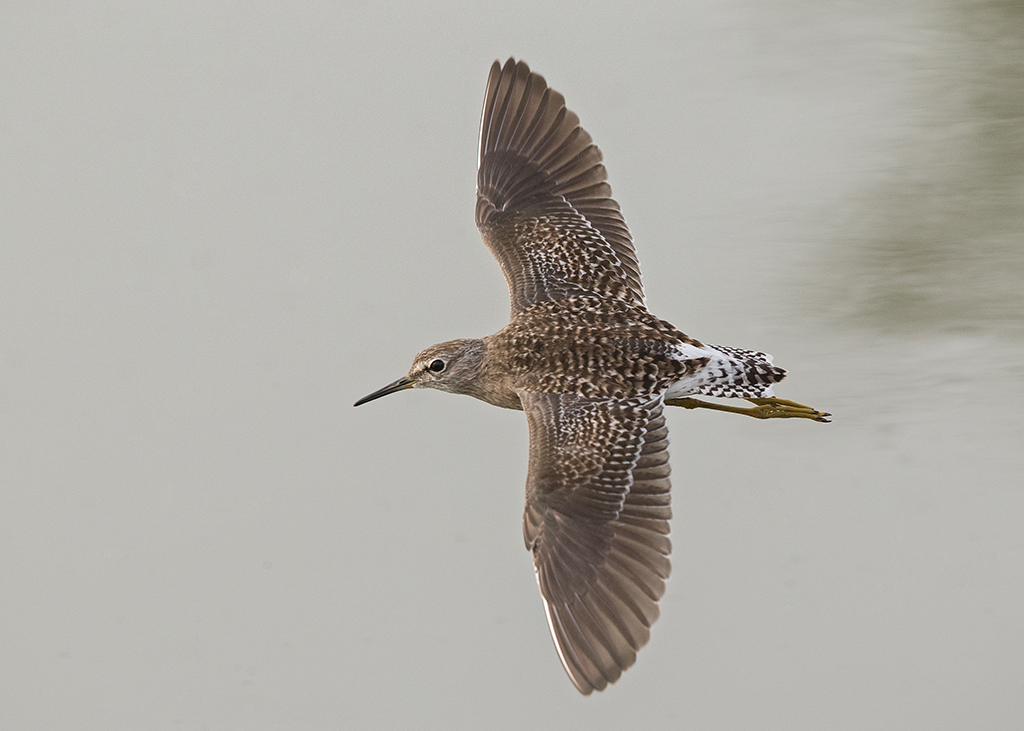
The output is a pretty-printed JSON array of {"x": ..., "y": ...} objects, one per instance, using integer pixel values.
[{"x": 400, "y": 385}]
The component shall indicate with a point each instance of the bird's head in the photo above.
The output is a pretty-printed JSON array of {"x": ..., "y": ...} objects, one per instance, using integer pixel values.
[{"x": 452, "y": 366}]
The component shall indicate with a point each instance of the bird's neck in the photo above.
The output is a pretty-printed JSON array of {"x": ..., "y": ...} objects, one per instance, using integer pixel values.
[{"x": 493, "y": 383}]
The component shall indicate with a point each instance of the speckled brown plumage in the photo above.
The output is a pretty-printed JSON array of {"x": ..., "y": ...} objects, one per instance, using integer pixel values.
[
  {"x": 592, "y": 347},
  {"x": 591, "y": 368},
  {"x": 544, "y": 208}
]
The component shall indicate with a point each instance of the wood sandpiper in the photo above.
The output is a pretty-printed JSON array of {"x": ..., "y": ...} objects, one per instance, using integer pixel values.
[{"x": 591, "y": 368}]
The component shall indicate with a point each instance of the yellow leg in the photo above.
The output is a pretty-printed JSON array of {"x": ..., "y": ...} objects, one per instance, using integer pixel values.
[{"x": 764, "y": 408}]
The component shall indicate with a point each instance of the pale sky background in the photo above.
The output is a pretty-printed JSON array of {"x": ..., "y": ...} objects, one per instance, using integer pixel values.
[{"x": 222, "y": 223}]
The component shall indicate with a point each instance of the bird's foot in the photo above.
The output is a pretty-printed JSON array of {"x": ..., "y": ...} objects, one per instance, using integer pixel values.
[{"x": 764, "y": 408}]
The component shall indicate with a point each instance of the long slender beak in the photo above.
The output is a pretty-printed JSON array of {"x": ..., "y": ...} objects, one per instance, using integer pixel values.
[{"x": 400, "y": 385}]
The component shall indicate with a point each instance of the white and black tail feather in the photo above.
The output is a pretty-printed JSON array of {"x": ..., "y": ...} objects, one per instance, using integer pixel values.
[
  {"x": 739, "y": 373},
  {"x": 730, "y": 373}
]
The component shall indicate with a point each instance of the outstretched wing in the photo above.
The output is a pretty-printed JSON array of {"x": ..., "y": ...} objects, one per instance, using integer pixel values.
[
  {"x": 597, "y": 511},
  {"x": 543, "y": 205}
]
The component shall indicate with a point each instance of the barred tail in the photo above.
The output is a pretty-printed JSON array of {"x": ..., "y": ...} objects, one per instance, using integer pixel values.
[{"x": 739, "y": 373}]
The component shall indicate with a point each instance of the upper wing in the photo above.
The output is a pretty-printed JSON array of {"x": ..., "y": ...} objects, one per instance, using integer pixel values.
[
  {"x": 597, "y": 511},
  {"x": 543, "y": 205}
]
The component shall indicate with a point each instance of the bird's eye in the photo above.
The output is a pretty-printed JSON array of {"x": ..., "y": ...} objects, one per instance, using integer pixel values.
[{"x": 436, "y": 366}]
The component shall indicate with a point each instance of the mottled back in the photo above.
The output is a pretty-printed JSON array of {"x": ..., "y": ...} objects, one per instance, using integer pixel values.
[{"x": 595, "y": 347}]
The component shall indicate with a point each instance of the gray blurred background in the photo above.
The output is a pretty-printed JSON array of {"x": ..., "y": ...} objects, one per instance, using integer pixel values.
[{"x": 222, "y": 223}]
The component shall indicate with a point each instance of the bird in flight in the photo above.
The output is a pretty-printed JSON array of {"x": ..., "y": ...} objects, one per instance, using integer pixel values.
[{"x": 591, "y": 368}]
